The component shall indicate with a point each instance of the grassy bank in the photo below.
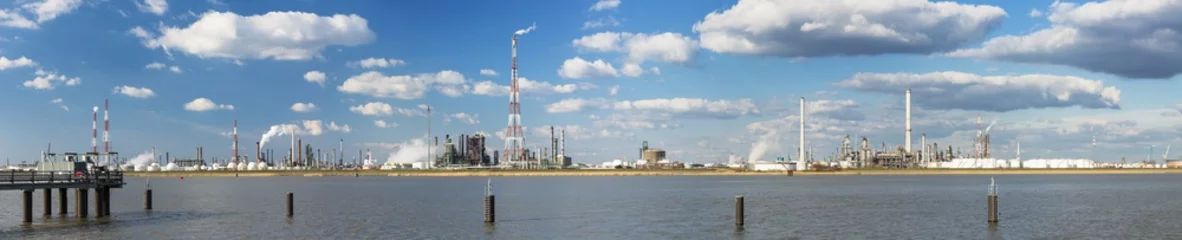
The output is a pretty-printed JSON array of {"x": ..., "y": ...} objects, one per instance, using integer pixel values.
[{"x": 642, "y": 172}]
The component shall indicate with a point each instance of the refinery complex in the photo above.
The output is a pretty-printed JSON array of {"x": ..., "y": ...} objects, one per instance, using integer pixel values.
[{"x": 473, "y": 152}]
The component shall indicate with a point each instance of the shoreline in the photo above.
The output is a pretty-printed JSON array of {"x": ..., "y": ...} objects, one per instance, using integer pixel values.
[{"x": 645, "y": 172}]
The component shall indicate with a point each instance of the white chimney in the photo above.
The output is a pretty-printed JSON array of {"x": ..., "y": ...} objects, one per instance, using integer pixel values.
[
  {"x": 907, "y": 137},
  {"x": 800, "y": 158}
]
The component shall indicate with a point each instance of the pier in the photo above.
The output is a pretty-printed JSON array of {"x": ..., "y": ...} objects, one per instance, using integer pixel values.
[{"x": 101, "y": 180}]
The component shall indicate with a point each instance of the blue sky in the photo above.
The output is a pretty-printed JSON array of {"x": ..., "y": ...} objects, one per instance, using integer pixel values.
[{"x": 704, "y": 80}]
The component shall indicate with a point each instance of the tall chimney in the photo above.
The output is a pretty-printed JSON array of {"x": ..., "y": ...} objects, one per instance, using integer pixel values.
[
  {"x": 562, "y": 145},
  {"x": 235, "y": 158},
  {"x": 923, "y": 145},
  {"x": 800, "y": 158},
  {"x": 300, "y": 152},
  {"x": 106, "y": 132},
  {"x": 907, "y": 137},
  {"x": 258, "y": 152},
  {"x": 94, "y": 131}
]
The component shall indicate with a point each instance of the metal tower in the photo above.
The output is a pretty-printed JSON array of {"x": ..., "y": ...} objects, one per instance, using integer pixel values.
[{"x": 514, "y": 136}]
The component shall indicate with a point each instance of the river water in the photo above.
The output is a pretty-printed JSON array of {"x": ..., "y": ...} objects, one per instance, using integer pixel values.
[{"x": 659, "y": 207}]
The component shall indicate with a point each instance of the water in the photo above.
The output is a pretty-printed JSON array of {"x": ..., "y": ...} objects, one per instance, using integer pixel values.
[{"x": 665, "y": 207}]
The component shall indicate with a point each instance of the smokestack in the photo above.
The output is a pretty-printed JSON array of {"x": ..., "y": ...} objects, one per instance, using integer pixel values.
[
  {"x": 94, "y": 131},
  {"x": 200, "y": 153},
  {"x": 907, "y": 137},
  {"x": 923, "y": 145},
  {"x": 800, "y": 158},
  {"x": 300, "y": 157},
  {"x": 235, "y": 158},
  {"x": 562, "y": 146},
  {"x": 258, "y": 152},
  {"x": 291, "y": 159},
  {"x": 341, "y": 159},
  {"x": 106, "y": 132}
]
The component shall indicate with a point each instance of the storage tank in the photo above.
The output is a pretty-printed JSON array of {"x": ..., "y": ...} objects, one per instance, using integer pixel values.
[{"x": 654, "y": 155}]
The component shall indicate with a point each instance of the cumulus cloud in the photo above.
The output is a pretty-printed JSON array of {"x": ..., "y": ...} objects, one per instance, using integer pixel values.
[
  {"x": 158, "y": 7},
  {"x": 639, "y": 47},
  {"x": 204, "y": 104},
  {"x": 383, "y": 124},
  {"x": 60, "y": 103},
  {"x": 682, "y": 107},
  {"x": 378, "y": 63},
  {"x": 274, "y": 35},
  {"x": 462, "y": 117},
  {"x": 162, "y": 66},
  {"x": 576, "y": 105},
  {"x": 576, "y": 68},
  {"x": 303, "y": 107},
  {"x": 135, "y": 92},
  {"x": 608, "y": 21},
  {"x": 175, "y": 69},
  {"x": 373, "y": 109},
  {"x": 12, "y": 18},
  {"x": 405, "y": 87},
  {"x": 46, "y": 80},
  {"x": 6, "y": 63},
  {"x": 488, "y": 72},
  {"x": 966, "y": 91},
  {"x": 1134, "y": 39},
  {"x": 605, "y": 5},
  {"x": 525, "y": 85},
  {"x": 332, "y": 126},
  {"x": 1035, "y": 13},
  {"x": 613, "y": 90},
  {"x": 816, "y": 28},
  {"x": 316, "y": 77},
  {"x": 47, "y": 10}
]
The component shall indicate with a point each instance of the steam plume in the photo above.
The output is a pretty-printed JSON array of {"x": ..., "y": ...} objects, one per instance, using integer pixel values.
[
  {"x": 770, "y": 141},
  {"x": 409, "y": 152},
  {"x": 526, "y": 30}
]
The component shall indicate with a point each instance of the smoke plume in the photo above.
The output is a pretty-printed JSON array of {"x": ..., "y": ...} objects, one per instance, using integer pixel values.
[
  {"x": 276, "y": 130},
  {"x": 142, "y": 160},
  {"x": 526, "y": 30},
  {"x": 770, "y": 141},
  {"x": 409, "y": 152}
]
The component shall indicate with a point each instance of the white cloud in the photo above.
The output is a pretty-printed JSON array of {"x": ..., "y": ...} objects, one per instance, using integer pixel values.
[
  {"x": 56, "y": 100},
  {"x": 11, "y": 18},
  {"x": 373, "y": 109},
  {"x": 204, "y": 104},
  {"x": 463, "y": 117},
  {"x": 383, "y": 124},
  {"x": 816, "y": 28},
  {"x": 216, "y": 2},
  {"x": 1134, "y": 39},
  {"x": 303, "y": 107},
  {"x": 158, "y": 7},
  {"x": 50, "y": 80},
  {"x": 6, "y": 63},
  {"x": 488, "y": 72},
  {"x": 315, "y": 77},
  {"x": 274, "y": 35},
  {"x": 576, "y": 68},
  {"x": 605, "y": 5},
  {"x": 613, "y": 90},
  {"x": 175, "y": 69},
  {"x": 632, "y": 70},
  {"x": 1035, "y": 13},
  {"x": 155, "y": 65},
  {"x": 608, "y": 21},
  {"x": 966, "y": 91},
  {"x": 313, "y": 127},
  {"x": 576, "y": 105},
  {"x": 488, "y": 88},
  {"x": 60, "y": 104},
  {"x": 47, "y": 10},
  {"x": 378, "y": 63},
  {"x": 404, "y": 87},
  {"x": 332, "y": 126},
  {"x": 661, "y": 47},
  {"x": 135, "y": 92}
]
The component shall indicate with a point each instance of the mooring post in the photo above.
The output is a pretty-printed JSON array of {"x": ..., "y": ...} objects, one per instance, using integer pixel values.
[
  {"x": 62, "y": 201},
  {"x": 47, "y": 202},
  {"x": 27, "y": 206},
  {"x": 148, "y": 199},
  {"x": 992, "y": 199},
  {"x": 80, "y": 201},
  {"x": 290, "y": 199},
  {"x": 739, "y": 210},
  {"x": 490, "y": 204}
]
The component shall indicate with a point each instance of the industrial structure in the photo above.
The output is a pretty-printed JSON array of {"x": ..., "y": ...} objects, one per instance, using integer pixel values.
[{"x": 515, "y": 152}]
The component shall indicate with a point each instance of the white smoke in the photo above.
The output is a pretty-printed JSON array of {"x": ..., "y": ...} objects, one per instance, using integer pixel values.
[
  {"x": 770, "y": 141},
  {"x": 734, "y": 159},
  {"x": 142, "y": 160},
  {"x": 276, "y": 130},
  {"x": 409, "y": 152},
  {"x": 526, "y": 30}
]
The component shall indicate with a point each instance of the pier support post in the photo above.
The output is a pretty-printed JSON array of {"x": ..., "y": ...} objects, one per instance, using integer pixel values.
[
  {"x": 80, "y": 201},
  {"x": 98, "y": 202},
  {"x": 106, "y": 201},
  {"x": 27, "y": 206},
  {"x": 739, "y": 211},
  {"x": 490, "y": 209},
  {"x": 148, "y": 199},
  {"x": 62, "y": 201},
  {"x": 992, "y": 202},
  {"x": 47, "y": 202},
  {"x": 290, "y": 200}
]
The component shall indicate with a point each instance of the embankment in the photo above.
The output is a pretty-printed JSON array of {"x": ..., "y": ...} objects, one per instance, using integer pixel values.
[{"x": 643, "y": 172}]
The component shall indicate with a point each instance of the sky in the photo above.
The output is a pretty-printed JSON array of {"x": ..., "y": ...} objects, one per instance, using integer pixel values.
[{"x": 703, "y": 80}]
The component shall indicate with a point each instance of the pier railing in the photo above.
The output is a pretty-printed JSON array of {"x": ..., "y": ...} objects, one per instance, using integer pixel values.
[{"x": 50, "y": 177}]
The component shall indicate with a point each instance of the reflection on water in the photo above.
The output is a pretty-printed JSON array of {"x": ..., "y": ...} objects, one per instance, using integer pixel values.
[{"x": 658, "y": 207}]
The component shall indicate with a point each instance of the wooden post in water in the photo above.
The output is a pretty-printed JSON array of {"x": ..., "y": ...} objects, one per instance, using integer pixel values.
[
  {"x": 62, "y": 201},
  {"x": 739, "y": 210},
  {"x": 992, "y": 199},
  {"x": 47, "y": 202},
  {"x": 27, "y": 206},
  {"x": 290, "y": 199},
  {"x": 490, "y": 204},
  {"x": 148, "y": 199}
]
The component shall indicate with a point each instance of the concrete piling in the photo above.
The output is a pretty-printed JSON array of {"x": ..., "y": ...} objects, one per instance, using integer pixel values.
[
  {"x": 739, "y": 210},
  {"x": 490, "y": 209},
  {"x": 148, "y": 199},
  {"x": 27, "y": 206},
  {"x": 992, "y": 202},
  {"x": 80, "y": 201},
  {"x": 98, "y": 202},
  {"x": 62, "y": 201},
  {"x": 107, "y": 201},
  {"x": 47, "y": 202},
  {"x": 290, "y": 199}
]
